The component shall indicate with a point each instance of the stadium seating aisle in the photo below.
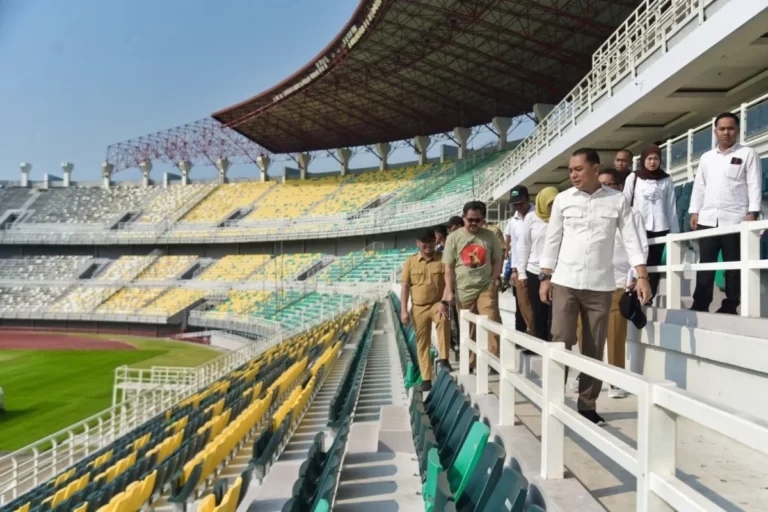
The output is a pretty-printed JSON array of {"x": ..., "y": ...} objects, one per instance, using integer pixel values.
[
  {"x": 39, "y": 268},
  {"x": 234, "y": 267},
  {"x": 166, "y": 267},
  {"x": 174, "y": 456},
  {"x": 295, "y": 198},
  {"x": 224, "y": 201},
  {"x": 173, "y": 301},
  {"x": 170, "y": 202}
]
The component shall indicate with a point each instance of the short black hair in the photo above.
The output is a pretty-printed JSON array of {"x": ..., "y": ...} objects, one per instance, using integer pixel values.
[
  {"x": 455, "y": 221},
  {"x": 590, "y": 154},
  {"x": 618, "y": 177},
  {"x": 727, "y": 115},
  {"x": 425, "y": 235},
  {"x": 441, "y": 229},
  {"x": 474, "y": 205},
  {"x": 627, "y": 151}
]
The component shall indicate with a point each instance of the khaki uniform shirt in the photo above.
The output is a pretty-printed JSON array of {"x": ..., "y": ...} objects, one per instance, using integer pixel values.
[{"x": 426, "y": 277}]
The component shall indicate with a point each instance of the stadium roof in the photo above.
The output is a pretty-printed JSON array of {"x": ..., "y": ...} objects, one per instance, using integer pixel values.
[{"x": 401, "y": 68}]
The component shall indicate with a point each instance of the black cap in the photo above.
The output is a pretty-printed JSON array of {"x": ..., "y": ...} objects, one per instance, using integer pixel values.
[
  {"x": 425, "y": 235},
  {"x": 630, "y": 308},
  {"x": 518, "y": 194}
]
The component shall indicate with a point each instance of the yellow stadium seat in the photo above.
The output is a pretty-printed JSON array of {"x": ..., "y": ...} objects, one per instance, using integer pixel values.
[
  {"x": 172, "y": 302},
  {"x": 207, "y": 504},
  {"x": 224, "y": 201}
]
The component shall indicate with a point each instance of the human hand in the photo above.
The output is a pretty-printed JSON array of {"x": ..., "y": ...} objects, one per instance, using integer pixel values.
[
  {"x": 545, "y": 292},
  {"x": 405, "y": 318},
  {"x": 523, "y": 283},
  {"x": 631, "y": 285},
  {"x": 643, "y": 288},
  {"x": 750, "y": 217},
  {"x": 514, "y": 278},
  {"x": 442, "y": 311},
  {"x": 694, "y": 221}
]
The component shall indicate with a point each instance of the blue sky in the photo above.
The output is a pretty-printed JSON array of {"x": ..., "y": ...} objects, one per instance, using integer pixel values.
[{"x": 78, "y": 75}]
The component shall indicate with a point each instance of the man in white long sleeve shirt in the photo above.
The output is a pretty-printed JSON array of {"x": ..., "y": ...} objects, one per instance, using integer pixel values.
[
  {"x": 727, "y": 191},
  {"x": 584, "y": 221}
]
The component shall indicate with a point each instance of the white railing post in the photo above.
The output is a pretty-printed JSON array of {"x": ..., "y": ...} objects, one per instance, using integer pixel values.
[
  {"x": 656, "y": 447},
  {"x": 743, "y": 123},
  {"x": 750, "y": 277},
  {"x": 689, "y": 157},
  {"x": 481, "y": 358},
  {"x": 508, "y": 361},
  {"x": 674, "y": 278},
  {"x": 463, "y": 348},
  {"x": 552, "y": 429}
]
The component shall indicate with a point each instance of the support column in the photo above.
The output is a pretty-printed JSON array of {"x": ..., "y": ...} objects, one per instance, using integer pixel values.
[
  {"x": 422, "y": 145},
  {"x": 25, "y": 170},
  {"x": 185, "y": 166},
  {"x": 263, "y": 162},
  {"x": 106, "y": 173},
  {"x": 462, "y": 135},
  {"x": 66, "y": 169},
  {"x": 502, "y": 124},
  {"x": 146, "y": 168},
  {"x": 304, "y": 160},
  {"x": 383, "y": 149},
  {"x": 344, "y": 155},
  {"x": 222, "y": 164},
  {"x": 541, "y": 110}
]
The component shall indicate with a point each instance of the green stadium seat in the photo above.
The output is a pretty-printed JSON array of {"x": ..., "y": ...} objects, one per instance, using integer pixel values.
[{"x": 509, "y": 493}]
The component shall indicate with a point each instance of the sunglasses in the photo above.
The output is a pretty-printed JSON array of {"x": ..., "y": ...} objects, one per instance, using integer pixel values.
[{"x": 474, "y": 220}]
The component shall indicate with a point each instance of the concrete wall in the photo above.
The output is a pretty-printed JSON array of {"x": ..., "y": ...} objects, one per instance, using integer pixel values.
[{"x": 227, "y": 341}]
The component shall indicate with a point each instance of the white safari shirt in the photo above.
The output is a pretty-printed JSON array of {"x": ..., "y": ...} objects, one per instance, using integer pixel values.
[
  {"x": 585, "y": 225},
  {"x": 727, "y": 187},
  {"x": 514, "y": 231}
]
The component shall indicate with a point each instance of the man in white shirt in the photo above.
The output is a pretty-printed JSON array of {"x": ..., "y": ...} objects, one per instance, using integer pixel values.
[
  {"x": 520, "y": 201},
  {"x": 727, "y": 191},
  {"x": 584, "y": 221},
  {"x": 623, "y": 163}
]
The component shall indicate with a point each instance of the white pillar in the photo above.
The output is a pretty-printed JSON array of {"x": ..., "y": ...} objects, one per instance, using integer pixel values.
[
  {"x": 185, "y": 166},
  {"x": 304, "y": 160},
  {"x": 66, "y": 169},
  {"x": 146, "y": 168},
  {"x": 46, "y": 181},
  {"x": 462, "y": 135},
  {"x": 222, "y": 164},
  {"x": 541, "y": 110},
  {"x": 345, "y": 155},
  {"x": 106, "y": 173},
  {"x": 263, "y": 162},
  {"x": 166, "y": 180},
  {"x": 422, "y": 145},
  {"x": 383, "y": 148},
  {"x": 502, "y": 124},
  {"x": 25, "y": 170}
]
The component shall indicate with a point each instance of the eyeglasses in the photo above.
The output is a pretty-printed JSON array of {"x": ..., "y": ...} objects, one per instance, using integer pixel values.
[{"x": 474, "y": 220}]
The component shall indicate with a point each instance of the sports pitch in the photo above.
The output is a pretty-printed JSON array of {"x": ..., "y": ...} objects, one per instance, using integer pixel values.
[{"x": 47, "y": 390}]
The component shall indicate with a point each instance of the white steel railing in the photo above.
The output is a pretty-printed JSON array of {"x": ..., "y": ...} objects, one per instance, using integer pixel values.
[
  {"x": 750, "y": 263},
  {"x": 660, "y": 403},
  {"x": 645, "y": 31}
]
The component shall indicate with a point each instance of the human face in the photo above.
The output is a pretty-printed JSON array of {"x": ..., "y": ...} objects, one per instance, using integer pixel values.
[
  {"x": 522, "y": 207},
  {"x": 439, "y": 239},
  {"x": 473, "y": 220},
  {"x": 607, "y": 180},
  {"x": 622, "y": 162},
  {"x": 453, "y": 228},
  {"x": 652, "y": 162},
  {"x": 583, "y": 174},
  {"x": 725, "y": 131},
  {"x": 427, "y": 248}
]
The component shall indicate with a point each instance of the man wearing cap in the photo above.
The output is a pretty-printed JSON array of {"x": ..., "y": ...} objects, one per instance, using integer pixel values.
[
  {"x": 423, "y": 279},
  {"x": 520, "y": 201}
]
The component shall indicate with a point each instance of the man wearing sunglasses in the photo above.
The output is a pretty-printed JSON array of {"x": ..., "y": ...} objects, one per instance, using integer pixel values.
[{"x": 473, "y": 259}]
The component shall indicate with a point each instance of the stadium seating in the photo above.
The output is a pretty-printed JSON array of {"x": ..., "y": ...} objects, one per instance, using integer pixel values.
[
  {"x": 170, "y": 202},
  {"x": 15, "y": 299},
  {"x": 285, "y": 267},
  {"x": 295, "y": 198},
  {"x": 86, "y": 205},
  {"x": 173, "y": 301},
  {"x": 38, "y": 268},
  {"x": 225, "y": 200},
  {"x": 166, "y": 267},
  {"x": 129, "y": 300},
  {"x": 13, "y": 198},
  {"x": 366, "y": 266},
  {"x": 83, "y": 299},
  {"x": 124, "y": 268},
  {"x": 233, "y": 267},
  {"x": 176, "y": 457},
  {"x": 242, "y": 302}
]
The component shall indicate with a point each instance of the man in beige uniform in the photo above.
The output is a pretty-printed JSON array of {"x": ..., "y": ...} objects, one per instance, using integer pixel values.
[{"x": 424, "y": 279}]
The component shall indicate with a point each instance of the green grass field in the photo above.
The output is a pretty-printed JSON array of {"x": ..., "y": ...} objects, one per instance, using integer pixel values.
[{"x": 48, "y": 390}]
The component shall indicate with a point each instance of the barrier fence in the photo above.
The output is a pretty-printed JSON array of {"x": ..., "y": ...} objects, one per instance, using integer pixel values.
[{"x": 660, "y": 403}]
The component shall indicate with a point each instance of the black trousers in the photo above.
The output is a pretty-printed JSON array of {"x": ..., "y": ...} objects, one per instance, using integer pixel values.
[
  {"x": 542, "y": 313},
  {"x": 705, "y": 280},
  {"x": 519, "y": 320},
  {"x": 655, "y": 252}
]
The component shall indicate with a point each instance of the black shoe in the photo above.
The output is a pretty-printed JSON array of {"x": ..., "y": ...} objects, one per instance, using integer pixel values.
[
  {"x": 593, "y": 417},
  {"x": 445, "y": 364},
  {"x": 425, "y": 386},
  {"x": 727, "y": 311},
  {"x": 698, "y": 308}
]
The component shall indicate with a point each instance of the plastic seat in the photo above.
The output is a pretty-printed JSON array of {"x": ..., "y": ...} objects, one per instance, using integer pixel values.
[
  {"x": 483, "y": 479},
  {"x": 509, "y": 493}
]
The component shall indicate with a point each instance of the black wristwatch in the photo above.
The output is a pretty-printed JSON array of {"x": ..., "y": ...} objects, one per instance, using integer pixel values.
[{"x": 544, "y": 277}]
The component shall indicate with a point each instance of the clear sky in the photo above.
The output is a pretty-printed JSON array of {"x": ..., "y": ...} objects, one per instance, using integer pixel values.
[{"x": 78, "y": 75}]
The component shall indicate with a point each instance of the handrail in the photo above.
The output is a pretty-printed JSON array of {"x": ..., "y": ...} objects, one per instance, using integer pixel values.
[{"x": 659, "y": 404}]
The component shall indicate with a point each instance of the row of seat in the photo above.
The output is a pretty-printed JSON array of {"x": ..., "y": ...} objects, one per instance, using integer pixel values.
[
  {"x": 164, "y": 454},
  {"x": 406, "y": 344}
]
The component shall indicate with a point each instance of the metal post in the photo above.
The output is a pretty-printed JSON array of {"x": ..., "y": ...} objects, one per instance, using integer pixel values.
[
  {"x": 750, "y": 277},
  {"x": 674, "y": 278},
  {"x": 508, "y": 360},
  {"x": 481, "y": 358},
  {"x": 463, "y": 348},
  {"x": 656, "y": 447}
]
